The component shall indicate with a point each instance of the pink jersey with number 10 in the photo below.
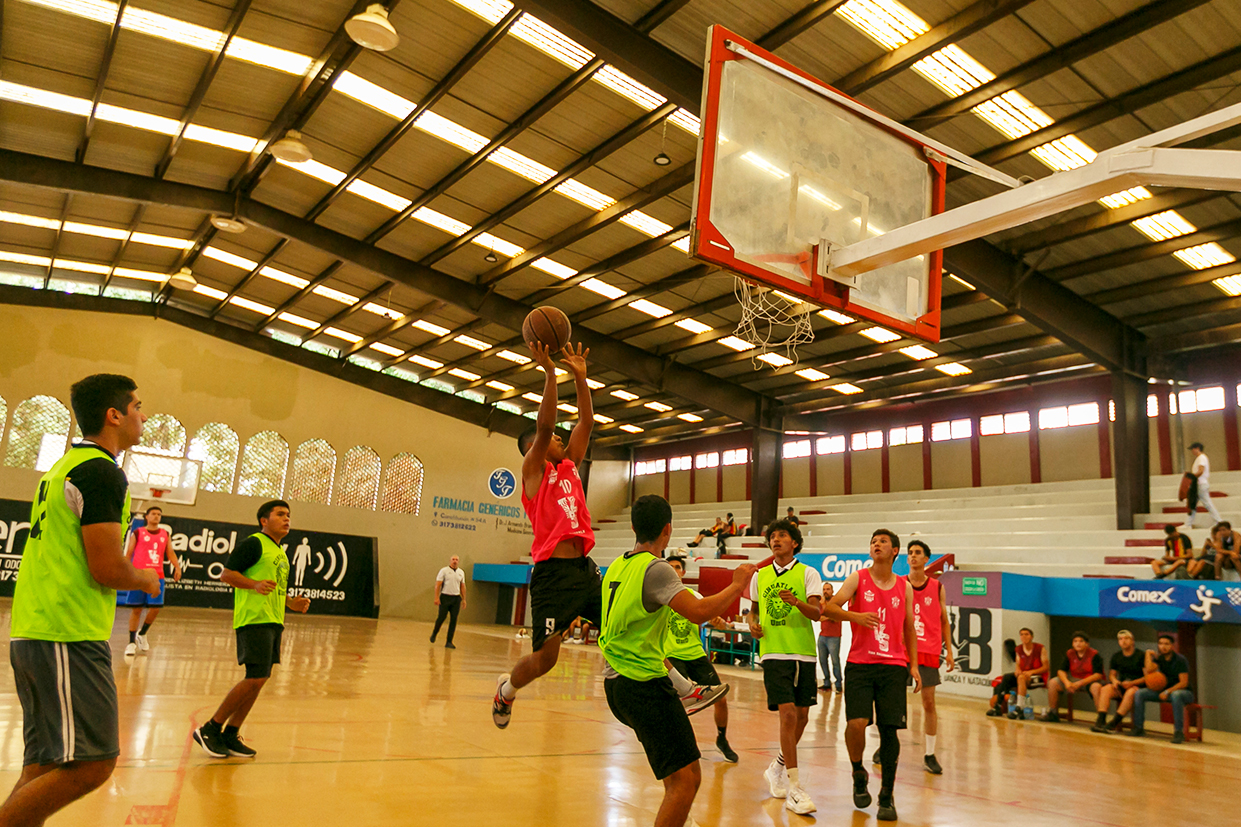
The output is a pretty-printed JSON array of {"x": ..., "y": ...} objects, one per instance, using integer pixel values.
[
  {"x": 885, "y": 644},
  {"x": 558, "y": 511}
]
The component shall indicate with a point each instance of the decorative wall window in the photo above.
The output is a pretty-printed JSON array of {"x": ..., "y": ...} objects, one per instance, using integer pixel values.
[
  {"x": 797, "y": 448},
  {"x": 680, "y": 463},
  {"x": 956, "y": 429},
  {"x": 830, "y": 445},
  {"x": 39, "y": 433},
  {"x": 1017, "y": 422},
  {"x": 1196, "y": 401},
  {"x": 357, "y": 486},
  {"x": 863, "y": 441},
  {"x": 909, "y": 435},
  {"x": 216, "y": 445},
  {"x": 403, "y": 484},
  {"x": 710, "y": 460},
  {"x": 735, "y": 457},
  {"x": 163, "y": 433},
  {"x": 264, "y": 463},
  {"x": 1086, "y": 413},
  {"x": 314, "y": 466}
]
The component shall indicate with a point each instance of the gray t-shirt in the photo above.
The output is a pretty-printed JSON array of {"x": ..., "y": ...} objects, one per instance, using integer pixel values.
[{"x": 660, "y": 584}]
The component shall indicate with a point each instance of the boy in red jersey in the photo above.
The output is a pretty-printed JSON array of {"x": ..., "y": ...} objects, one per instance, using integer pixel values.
[
  {"x": 930, "y": 621},
  {"x": 147, "y": 548},
  {"x": 883, "y": 657},
  {"x": 565, "y": 583}
]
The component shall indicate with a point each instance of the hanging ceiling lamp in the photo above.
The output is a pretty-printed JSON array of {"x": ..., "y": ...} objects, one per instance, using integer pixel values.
[{"x": 372, "y": 30}]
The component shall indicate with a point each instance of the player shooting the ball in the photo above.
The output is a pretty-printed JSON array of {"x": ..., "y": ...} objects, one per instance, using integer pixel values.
[{"x": 565, "y": 583}]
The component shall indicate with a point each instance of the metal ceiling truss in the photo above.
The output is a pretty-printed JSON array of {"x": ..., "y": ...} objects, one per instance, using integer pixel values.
[{"x": 101, "y": 80}]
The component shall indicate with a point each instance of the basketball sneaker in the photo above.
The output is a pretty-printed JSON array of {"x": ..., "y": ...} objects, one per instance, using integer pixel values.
[
  {"x": 501, "y": 710},
  {"x": 887, "y": 807},
  {"x": 701, "y": 697},
  {"x": 131, "y": 649},
  {"x": 1015, "y": 714},
  {"x": 142, "y": 643},
  {"x": 730, "y": 755},
  {"x": 861, "y": 796},
  {"x": 212, "y": 741},
  {"x": 931, "y": 764},
  {"x": 1051, "y": 716},
  {"x": 798, "y": 801},
  {"x": 777, "y": 779},
  {"x": 236, "y": 746}
]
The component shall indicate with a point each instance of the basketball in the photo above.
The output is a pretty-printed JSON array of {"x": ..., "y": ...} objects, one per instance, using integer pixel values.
[
  {"x": 1156, "y": 682},
  {"x": 548, "y": 326}
]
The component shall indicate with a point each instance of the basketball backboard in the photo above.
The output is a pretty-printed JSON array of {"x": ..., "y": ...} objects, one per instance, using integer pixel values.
[
  {"x": 160, "y": 478},
  {"x": 786, "y": 174}
]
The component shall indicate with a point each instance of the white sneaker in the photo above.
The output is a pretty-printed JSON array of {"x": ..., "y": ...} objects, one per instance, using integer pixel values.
[
  {"x": 777, "y": 779},
  {"x": 131, "y": 649},
  {"x": 701, "y": 697},
  {"x": 798, "y": 801},
  {"x": 142, "y": 643}
]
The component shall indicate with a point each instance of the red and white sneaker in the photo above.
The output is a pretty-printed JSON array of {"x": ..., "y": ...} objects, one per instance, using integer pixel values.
[
  {"x": 501, "y": 710},
  {"x": 701, "y": 697}
]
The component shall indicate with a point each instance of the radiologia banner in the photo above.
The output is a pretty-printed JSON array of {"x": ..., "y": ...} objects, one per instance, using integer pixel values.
[{"x": 336, "y": 571}]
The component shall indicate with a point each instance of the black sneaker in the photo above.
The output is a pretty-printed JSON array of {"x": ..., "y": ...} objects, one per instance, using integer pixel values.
[
  {"x": 931, "y": 763},
  {"x": 449, "y": 646},
  {"x": 887, "y": 808},
  {"x": 1015, "y": 714},
  {"x": 874, "y": 759},
  {"x": 212, "y": 742},
  {"x": 1178, "y": 737},
  {"x": 861, "y": 796},
  {"x": 995, "y": 712},
  {"x": 1099, "y": 728},
  {"x": 1136, "y": 733},
  {"x": 237, "y": 747},
  {"x": 1114, "y": 724},
  {"x": 730, "y": 755},
  {"x": 1050, "y": 717}
]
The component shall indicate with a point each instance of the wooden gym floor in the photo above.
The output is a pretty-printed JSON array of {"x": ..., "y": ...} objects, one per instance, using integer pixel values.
[{"x": 366, "y": 723}]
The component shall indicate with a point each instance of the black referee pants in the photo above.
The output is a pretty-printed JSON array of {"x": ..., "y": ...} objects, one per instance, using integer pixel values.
[{"x": 450, "y": 604}]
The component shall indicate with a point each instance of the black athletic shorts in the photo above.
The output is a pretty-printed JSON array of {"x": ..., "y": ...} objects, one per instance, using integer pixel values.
[
  {"x": 562, "y": 589},
  {"x": 698, "y": 670},
  {"x": 790, "y": 682},
  {"x": 655, "y": 714},
  {"x": 258, "y": 647},
  {"x": 876, "y": 692},
  {"x": 68, "y": 699},
  {"x": 929, "y": 675}
]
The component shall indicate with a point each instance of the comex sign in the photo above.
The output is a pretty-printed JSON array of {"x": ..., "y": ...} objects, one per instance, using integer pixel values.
[
  {"x": 1127, "y": 595},
  {"x": 837, "y": 567}
]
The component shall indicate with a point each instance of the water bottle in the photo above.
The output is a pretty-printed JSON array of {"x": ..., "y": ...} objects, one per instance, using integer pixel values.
[
  {"x": 1012, "y": 701},
  {"x": 1029, "y": 710}
]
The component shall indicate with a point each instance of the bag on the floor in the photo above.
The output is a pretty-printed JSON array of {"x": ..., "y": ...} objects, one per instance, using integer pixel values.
[{"x": 1189, "y": 491}]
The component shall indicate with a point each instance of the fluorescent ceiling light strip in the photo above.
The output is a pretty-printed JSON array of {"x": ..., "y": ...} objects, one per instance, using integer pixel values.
[
  {"x": 693, "y": 326},
  {"x": 430, "y": 327},
  {"x": 345, "y": 335},
  {"x": 1204, "y": 255},
  {"x": 554, "y": 268},
  {"x": 83, "y": 266},
  {"x": 650, "y": 308},
  {"x": 210, "y": 292},
  {"x": 380, "y": 310},
  {"x": 299, "y": 321},
  {"x": 602, "y": 288},
  {"x": 284, "y": 278},
  {"x": 643, "y": 223},
  {"x": 29, "y": 220},
  {"x": 889, "y": 24},
  {"x": 1164, "y": 225},
  {"x": 499, "y": 245},
  {"x": 161, "y": 241},
  {"x": 388, "y": 350},
  {"x": 226, "y": 257},
  {"x": 470, "y": 341},
  {"x": 380, "y": 196},
  {"x": 141, "y": 275},
  {"x": 250, "y": 304},
  {"x": 335, "y": 295},
  {"x": 95, "y": 230}
]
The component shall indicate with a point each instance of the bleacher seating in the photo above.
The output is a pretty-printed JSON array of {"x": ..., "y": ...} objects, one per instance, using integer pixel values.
[{"x": 1056, "y": 529}]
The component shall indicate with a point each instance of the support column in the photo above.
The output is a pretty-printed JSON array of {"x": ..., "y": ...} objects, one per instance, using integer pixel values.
[
  {"x": 765, "y": 477},
  {"x": 1132, "y": 455}
]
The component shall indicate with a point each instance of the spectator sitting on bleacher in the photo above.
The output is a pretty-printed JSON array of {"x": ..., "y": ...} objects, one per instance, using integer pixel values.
[
  {"x": 1031, "y": 672},
  {"x": 1203, "y": 566},
  {"x": 713, "y": 531},
  {"x": 793, "y": 518},
  {"x": 1175, "y": 672},
  {"x": 1226, "y": 544},
  {"x": 1178, "y": 554},
  {"x": 1125, "y": 677},
  {"x": 1081, "y": 671}
]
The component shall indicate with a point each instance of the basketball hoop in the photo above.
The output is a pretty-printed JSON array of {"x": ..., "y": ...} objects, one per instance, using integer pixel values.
[
  {"x": 772, "y": 323},
  {"x": 158, "y": 493}
]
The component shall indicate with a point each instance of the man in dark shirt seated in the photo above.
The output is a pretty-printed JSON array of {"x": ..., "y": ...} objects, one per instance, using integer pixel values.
[
  {"x": 1125, "y": 677},
  {"x": 1175, "y": 670},
  {"x": 1178, "y": 552},
  {"x": 1226, "y": 544},
  {"x": 1081, "y": 671}
]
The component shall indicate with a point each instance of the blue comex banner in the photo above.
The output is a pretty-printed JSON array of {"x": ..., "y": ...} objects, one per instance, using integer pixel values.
[
  {"x": 836, "y": 567},
  {"x": 1196, "y": 602}
]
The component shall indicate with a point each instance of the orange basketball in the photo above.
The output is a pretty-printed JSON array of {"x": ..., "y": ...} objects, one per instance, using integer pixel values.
[
  {"x": 1156, "y": 681},
  {"x": 548, "y": 326}
]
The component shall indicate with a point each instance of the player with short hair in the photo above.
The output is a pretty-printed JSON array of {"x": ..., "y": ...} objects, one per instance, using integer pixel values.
[
  {"x": 147, "y": 548},
  {"x": 1081, "y": 671},
  {"x": 883, "y": 657},
  {"x": 1126, "y": 675},
  {"x": 786, "y": 595},
  {"x": 638, "y": 595},
  {"x": 258, "y": 571},
  {"x": 64, "y": 605},
  {"x": 686, "y": 655},
  {"x": 930, "y": 622}
]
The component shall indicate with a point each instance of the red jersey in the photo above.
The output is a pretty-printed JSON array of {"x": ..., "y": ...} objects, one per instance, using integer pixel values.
[
  {"x": 558, "y": 511},
  {"x": 830, "y": 628},
  {"x": 1031, "y": 662},
  {"x": 149, "y": 549},
  {"x": 1081, "y": 667},
  {"x": 885, "y": 644},
  {"x": 927, "y": 621}
]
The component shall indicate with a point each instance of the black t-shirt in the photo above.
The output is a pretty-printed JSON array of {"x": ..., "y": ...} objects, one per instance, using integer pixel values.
[
  {"x": 245, "y": 554},
  {"x": 1096, "y": 665},
  {"x": 1172, "y": 665},
  {"x": 1178, "y": 545},
  {"x": 96, "y": 489},
  {"x": 1128, "y": 668}
]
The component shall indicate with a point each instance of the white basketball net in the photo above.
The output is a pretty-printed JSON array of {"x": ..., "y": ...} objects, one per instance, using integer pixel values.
[{"x": 771, "y": 323}]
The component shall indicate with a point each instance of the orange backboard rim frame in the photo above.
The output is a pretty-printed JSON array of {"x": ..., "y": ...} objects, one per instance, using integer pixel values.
[{"x": 708, "y": 244}]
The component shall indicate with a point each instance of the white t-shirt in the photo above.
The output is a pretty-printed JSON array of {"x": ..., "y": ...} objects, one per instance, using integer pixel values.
[
  {"x": 814, "y": 588},
  {"x": 452, "y": 580},
  {"x": 1205, "y": 464}
]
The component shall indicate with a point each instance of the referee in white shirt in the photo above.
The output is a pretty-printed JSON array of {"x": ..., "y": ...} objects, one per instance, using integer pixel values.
[{"x": 450, "y": 597}]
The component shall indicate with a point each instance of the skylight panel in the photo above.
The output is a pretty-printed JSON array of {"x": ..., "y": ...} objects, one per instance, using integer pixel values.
[
  {"x": 736, "y": 343},
  {"x": 95, "y": 230},
  {"x": 136, "y": 119},
  {"x": 626, "y": 395},
  {"x": 373, "y": 95},
  {"x": 380, "y": 310},
  {"x": 682, "y": 245},
  {"x": 550, "y": 42},
  {"x": 1013, "y": 114},
  {"x": 812, "y": 374},
  {"x": 31, "y": 96},
  {"x": 430, "y": 327},
  {"x": 387, "y": 350},
  {"x": 887, "y": 23},
  {"x": 880, "y": 334},
  {"x": 837, "y": 317},
  {"x": 689, "y": 417},
  {"x": 602, "y": 288},
  {"x": 593, "y": 384},
  {"x": 85, "y": 267},
  {"x": 953, "y": 71},
  {"x": 461, "y": 373},
  {"x": 644, "y": 223},
  {"x": 1164, "y": 225},
  {"x": 686, "y": 120},
  {"x": 352, "y": 338},
  {"x": 379, "y": 195},
  {"x": 519, "y": 164},
  {"x": 470, "y": 341},
  {"x": 500, "y": 386},
  {"x": 142, "y": 275},
  {"x": 425, "y": 362},
  {"x": 533, "y": 397},
  {"x": 1204, "y": 256},
  {"x": 499, "y": 245},
  {"x": 283, "y": 277},
  {"x": 919, "y": 352},
  {"x": 299, "y": 321},
  {"x": 334, "y": 294},
  {"x": 560, "y": 271},
  {"x": 1066, "y": 153},
  {"x": 219, "y": 137},
  {"x": 230, "y": 258},
  {"x": 650, "y": 308},
  {"x": 658, "y": 406},
  {"x": 249, "y": 304},
  {"x": 603, "y": 419},
  {"x": 271, "y": 57},
  {"x": 953, "y": 369},
  {"x": 694, "y": 326},
  {"x": 774, "y": 359},
  {"x": 210, "y": 292},
  {"x": 450, "y": 131},
  {"x": 1123, "y": 199},
  {"x": 161, "y": 241},
  {"x": 316, "y": 170},
  {"x": 29, "y": 220},
  {"x": 514, "y": 357},
  {"x": 492, "y": 11},
  {"x": 441, "y": 222},
  {"x": 1231, "y": 285},
  {"x": 625, "y": 86},
  {"x": 847, "y": 388},
  {"x": 633, "y": 429},
  {"x": 584, "y": 195}
]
